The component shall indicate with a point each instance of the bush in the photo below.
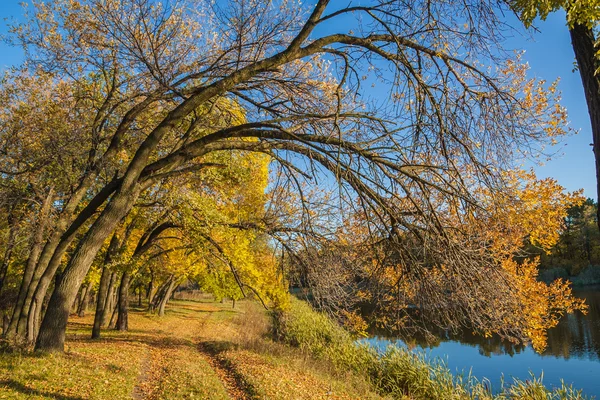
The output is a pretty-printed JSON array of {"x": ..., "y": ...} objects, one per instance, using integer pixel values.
[{"x": 397, "y": 372}]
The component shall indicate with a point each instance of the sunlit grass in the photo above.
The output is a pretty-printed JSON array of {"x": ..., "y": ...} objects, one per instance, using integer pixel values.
[{"x": 398, "y": 372}]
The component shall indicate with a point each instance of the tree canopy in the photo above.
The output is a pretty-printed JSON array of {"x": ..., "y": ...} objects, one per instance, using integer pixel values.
[{"x": 138, "y": 124}]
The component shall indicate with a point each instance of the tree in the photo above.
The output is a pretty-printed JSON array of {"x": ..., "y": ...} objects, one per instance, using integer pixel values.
[
  {"x": 413, "y": 284},
  {"x": 582, "y": 21},
  {"x": 162, "y": 85}
]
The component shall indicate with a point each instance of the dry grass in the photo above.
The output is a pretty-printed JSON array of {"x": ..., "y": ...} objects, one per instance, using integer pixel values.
[{"x": 166, "y": 358}]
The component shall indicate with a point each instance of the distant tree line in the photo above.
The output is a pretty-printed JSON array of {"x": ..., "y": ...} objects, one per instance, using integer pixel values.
[{"x": 577, "y": 251}]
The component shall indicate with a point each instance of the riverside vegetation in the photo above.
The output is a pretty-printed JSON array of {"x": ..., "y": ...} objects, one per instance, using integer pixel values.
[
  {"x": 371, "y": 153},
  {"x": 208, "y": 350}
]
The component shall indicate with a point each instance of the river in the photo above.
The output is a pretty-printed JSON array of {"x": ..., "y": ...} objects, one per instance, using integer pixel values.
[{"x": 573, "y": 352}]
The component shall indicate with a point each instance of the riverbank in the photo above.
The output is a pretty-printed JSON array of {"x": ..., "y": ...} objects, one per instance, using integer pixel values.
[
  {"x": 208, "y": 350},
  {"x": 589, "y": 276}
]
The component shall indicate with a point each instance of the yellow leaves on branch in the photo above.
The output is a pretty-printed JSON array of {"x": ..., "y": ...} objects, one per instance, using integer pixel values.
[
  {"x": 533, "y": 210},
  {"x": 544, "y": 304}
]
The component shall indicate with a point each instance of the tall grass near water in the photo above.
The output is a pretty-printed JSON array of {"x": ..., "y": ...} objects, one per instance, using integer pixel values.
[{"x": 397, "y": 372}]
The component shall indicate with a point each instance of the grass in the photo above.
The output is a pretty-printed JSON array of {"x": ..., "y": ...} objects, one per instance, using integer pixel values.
[
  {"x": 207, "y": 350},
  {"x": 199, "y": 350},
  {"x": 398, "y": 372}
]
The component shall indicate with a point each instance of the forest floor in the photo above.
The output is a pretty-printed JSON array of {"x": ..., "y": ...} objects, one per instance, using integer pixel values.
[{"x": 199, "y": 350}]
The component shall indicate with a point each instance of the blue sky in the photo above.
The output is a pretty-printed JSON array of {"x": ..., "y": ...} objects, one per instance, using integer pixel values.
[{"x": 549, "y": 55}]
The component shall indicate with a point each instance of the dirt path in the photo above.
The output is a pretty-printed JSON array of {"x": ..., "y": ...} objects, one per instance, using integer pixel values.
[
  {"x": 154, "y": 365},
  {"x": 234, "y": 383},
  {"x": 151, "y": 371}
]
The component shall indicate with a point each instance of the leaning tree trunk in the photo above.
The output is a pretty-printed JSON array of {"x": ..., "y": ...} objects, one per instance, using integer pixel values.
[
  {"x": 17, "y": 326},
  {"x": 152, "y": 289},
  {"x": 54, "y": 324},
  {"x": 53, "y": 252},
  {"x": 109, "y": 304},
  {"x": 160, "y": 292},
  {"x": 166, "y": 297},
  {"x": 105, "y": 288},
  {"x": 81, "y": 307},
  {"x": 123, "y": 304},
  {"x": 583, "y": 42}
]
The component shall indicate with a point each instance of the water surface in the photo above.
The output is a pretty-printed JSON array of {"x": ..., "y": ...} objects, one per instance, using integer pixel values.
[{"x": 573, "y": 352}]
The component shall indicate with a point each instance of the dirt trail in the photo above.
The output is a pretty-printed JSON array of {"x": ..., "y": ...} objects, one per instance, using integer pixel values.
[
  {"x": 159, "y": 353},
  {"x": 234, "y": 383}
]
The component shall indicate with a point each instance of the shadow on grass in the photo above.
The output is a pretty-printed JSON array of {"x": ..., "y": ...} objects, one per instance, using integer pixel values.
[
  {"x": 19, "y": 387},
  {"x": 228, "y": 371}
]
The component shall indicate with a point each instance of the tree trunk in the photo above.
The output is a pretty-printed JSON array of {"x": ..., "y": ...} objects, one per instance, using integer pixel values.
[
  {"x": 166, "y": 297},
  {"x": 583, "y": 41},
  {"x": 17, "y": 325},
  {"x": 100, "y": 302},
  {"x": 113, "y": 315},
  {"x": 83, "y": 300},
  {"x": 110, "y": 302},
  {"x": 160, "y": 292},
  {"x": 10, "y": 244},
  {"x": 106, "y": 286},
  {"x": 57, "y": 245},
  {"x": 54, "y": 324},
  {"x": 123, "y": 304},
  {"x": 152, "y": 289}
]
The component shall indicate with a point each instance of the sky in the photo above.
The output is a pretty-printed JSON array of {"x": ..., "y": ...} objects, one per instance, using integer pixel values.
[{"x": 550, "y": 56}]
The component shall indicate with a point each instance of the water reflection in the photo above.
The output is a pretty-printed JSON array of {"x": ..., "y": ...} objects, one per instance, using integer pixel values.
[
  {"x": 572, "y": 354},
  {"x": 578, "y": 335}
]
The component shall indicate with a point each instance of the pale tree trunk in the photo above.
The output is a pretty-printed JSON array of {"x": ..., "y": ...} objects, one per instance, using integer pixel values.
[
  {"x": 100, "y": 302},
  {"x": 166, "y": 297},
  {"x": 151, "y": 293},
  {"x": 105, "y": 288},
  {"x": 110, "y": 302},
  {"x": 113, "y": 315},
  {"x": 160, "y": 292}
]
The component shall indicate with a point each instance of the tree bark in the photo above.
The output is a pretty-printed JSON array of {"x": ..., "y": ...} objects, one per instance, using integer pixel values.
[
  {"x": 54, "y": 250},
  {"x": 54, "y": 324},
  {"x": 82, "y": 306},
  {"x": 100, "y": 302},
  {"x": 166, "y": 297},
  {"x": 583, "y": 42},
  {"x": 109, "y": 303},
  {"x": 10, "y": 244},
  {"x": 123, "y": 304},
  {"x": 152, "y": 289},
  {"x": 105, "y": 288},
  {"x": 17, "y": 326}
]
